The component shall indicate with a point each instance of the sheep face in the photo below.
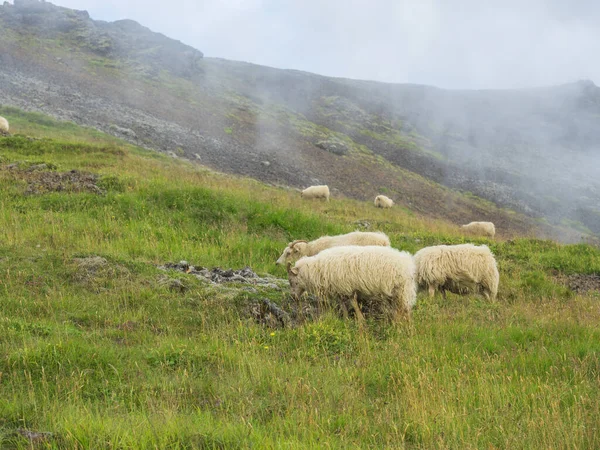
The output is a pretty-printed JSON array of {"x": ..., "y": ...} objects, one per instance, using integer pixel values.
[
  {"x": 295, "y": 288},
  {"x": 292, "y": 252}
]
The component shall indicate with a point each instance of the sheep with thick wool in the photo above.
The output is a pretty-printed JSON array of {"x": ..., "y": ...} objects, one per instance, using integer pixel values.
[
  {"x": 316, "y": 192},
  {"x": 3, "y": 125},
  {"x": 297, "y": 249},
  {"x": 480, "y": 229},
  {"x": 381, "y": 201},
  {"x": 381, "y": 275},
  {"x": 457, "y": 268}
]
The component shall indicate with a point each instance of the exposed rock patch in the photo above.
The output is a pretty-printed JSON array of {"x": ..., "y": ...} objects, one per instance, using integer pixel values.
[
  {"x": 334, "y": 146},
  {"x": 580, "y": 282},
  {"x": 218, "y": 275},
  {"x": 41, "y": 179}
]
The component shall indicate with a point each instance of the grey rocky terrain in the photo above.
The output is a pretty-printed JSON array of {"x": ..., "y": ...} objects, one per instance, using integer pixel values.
[{"x": 534, "y": 151}]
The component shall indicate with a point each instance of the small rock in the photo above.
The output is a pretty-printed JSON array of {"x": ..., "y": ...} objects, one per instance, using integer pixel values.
[
  {"x": 204, "y": 273},
  {"x": 248, "y": 273},
  {"x": 228, "y": 273},
  {"x": 334, "y": 146}
]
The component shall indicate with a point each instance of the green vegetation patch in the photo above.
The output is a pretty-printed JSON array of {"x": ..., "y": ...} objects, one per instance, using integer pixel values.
[{"x": 102, "y": 349}]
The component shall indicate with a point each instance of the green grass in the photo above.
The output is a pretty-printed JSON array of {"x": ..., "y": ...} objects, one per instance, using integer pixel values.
[{"x": 109, "y": 357}]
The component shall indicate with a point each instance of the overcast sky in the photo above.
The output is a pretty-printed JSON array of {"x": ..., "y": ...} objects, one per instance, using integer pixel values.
[{"x": 446, "y": 43}]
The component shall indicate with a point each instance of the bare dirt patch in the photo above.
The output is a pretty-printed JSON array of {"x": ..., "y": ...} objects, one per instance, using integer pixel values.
[
  {"x": 41, "y": 179},
  {"x": 580, "y": 282},
  {"x": 73, "y": 181}
]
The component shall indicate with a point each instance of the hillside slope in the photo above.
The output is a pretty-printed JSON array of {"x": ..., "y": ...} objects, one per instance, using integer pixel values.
[
  {"x": 533, "y": 151},
  {"x": 102, "y": 348}
]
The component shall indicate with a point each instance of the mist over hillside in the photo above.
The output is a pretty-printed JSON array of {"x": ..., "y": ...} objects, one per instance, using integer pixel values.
[{"x": 535, "y": 151}]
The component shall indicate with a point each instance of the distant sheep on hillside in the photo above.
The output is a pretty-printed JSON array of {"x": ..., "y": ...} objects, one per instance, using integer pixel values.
[
  {"x": 480, "y": 229},
  {"x": 457, "y": 268},
  {"x": 297, "y": 249},
  {"x": 381, "y": 201},
  {"x": 316, "y": 192},
  {"x": 3, "y": 125},
  {"x": 382, "y": 275}
]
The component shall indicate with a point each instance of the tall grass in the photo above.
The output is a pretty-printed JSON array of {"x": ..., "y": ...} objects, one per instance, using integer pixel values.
[{"x": 110, "y": 357}]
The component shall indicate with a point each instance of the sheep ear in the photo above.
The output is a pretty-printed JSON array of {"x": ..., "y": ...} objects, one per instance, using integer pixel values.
[{"x": 292, "y": 270}]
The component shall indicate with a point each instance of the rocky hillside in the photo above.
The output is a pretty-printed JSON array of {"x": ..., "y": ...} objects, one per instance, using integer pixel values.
[{"x": 436, "y": 152}]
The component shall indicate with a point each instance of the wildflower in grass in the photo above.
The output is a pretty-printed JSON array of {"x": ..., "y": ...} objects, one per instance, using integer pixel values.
[{"x": 273, "y": 333}]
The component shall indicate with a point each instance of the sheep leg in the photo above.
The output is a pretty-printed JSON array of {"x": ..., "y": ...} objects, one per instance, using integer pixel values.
[
  {"x": 431, "y": 289},
  {"x": 344, "y": 309},
  {"x": 359, "y": 315},
  {"x": 487, "y": 291},
  {"x": 487, "y": 294}
]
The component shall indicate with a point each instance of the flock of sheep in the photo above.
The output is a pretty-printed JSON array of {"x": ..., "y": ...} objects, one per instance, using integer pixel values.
[
  {"x": 363, "y": 265},
  {"x": 381, "y": 201}
]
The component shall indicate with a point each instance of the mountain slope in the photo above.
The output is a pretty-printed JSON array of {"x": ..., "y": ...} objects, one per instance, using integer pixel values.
[
  {"x": 102, "y": 348},
  {"x": 531, "y": 151}
]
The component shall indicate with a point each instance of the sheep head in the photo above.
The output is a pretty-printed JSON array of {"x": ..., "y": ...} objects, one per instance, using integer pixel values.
[
  {"x": 295, "y": 250},
  {"x": 297, "y": 291}
]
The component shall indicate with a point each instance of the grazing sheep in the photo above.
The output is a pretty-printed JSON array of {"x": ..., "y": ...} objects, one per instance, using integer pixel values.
[
  {"x": 3, "y": 125},
  {"x": 316, "y": 192},
  {"x": 382, "y": 275},
  {"x": 480, "y": 228},
  {"x": 297, "y": 249},
  {"x": 381, "y": 201},
  {"x": 457, "y": 268}
]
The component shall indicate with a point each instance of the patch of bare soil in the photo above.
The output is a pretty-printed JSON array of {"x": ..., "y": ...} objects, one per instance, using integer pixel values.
[
  {"x": 41, "y": 179},
  {"x": 580, "y": 282},
  {"x": 294, "y": 312},
  {"x": 73, "y": 181}
]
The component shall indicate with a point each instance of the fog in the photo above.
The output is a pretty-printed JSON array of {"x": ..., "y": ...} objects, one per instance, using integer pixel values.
[
  {"x": 508, "y": 114},
  {"x": 466, "y": 45}
]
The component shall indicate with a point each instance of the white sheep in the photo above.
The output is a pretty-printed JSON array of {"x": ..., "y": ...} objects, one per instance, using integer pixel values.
[
  {"x": 381, "y": 201},
  {"x": 480, "y": 228},
  {"x": 297, "y": 249},
  {"x": 382, "y": 275},
  {"x": 457, "y": 268},
  {"x": 316, "y": 192},
  {"x": 3, "y": 125}
]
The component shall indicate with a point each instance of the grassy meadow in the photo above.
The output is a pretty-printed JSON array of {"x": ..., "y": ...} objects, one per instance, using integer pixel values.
[{"x": 108, "y": 356}]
